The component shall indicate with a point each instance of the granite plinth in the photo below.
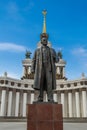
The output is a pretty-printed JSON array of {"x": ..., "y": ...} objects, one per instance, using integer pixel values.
[{"x": 44, "y": 116}]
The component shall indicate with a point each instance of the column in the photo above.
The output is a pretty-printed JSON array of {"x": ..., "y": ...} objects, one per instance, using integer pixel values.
[
  {"x": 0, "y": 99},
  {"x": 63, "y": 71},
  {"x": 73, "y": 104},
  {"x": 13, "y": 102},
  {"x": 63, "y": 103},
  {"x": 45, "y": 97},
  {"x": 70, "y": 103},
  {"x": 29, "y": 97},
  {"x": 29, "y": 70},
  {"x": 21, "y": 103},
  {"x": 17, "y": 103},
  {"x": 55, "y": 97},
  {"x": 59, "y": 97},
  {"x": 32, "y": 97},
  {"x": 77, "y": 104},
  {"x": 3, "y": 99},
  {"x": 9, "y": 103},
  {"x": 66, "y": 103},
  {"x": 24, "y": 103},
  {"x": 23, "y": 71},
  {"x": 58, "y": 70},
  {"x": 84, "y": 103}
]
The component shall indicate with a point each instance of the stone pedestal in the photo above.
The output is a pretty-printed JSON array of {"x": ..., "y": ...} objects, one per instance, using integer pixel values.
[{"x": 44, "y": 116}]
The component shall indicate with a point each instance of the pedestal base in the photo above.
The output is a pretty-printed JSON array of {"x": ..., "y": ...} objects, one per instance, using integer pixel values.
[{"x": 44, "y": 116}]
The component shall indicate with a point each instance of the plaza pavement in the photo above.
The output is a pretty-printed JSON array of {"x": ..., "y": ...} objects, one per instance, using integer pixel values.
[{"x": 23, "y": 126}]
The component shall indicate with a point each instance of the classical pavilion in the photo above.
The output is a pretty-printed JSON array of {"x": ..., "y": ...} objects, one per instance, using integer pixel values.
[{"x": 15, "y": 93}]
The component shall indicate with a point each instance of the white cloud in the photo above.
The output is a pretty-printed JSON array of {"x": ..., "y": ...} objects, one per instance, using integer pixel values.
[
  {"x": 12, "y": 47},
  {"x": 11, "y": 75},
  {"x": 80, "y": 51}
]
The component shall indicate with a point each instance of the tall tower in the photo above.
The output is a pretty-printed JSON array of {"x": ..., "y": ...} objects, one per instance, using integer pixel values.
[
  {"x": 26, "y": 65},
  {"x": 44, "y": 12},
  {"x": 60, "y": 67}
]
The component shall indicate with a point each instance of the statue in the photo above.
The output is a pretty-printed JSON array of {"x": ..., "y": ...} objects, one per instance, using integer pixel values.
[
  {"x": 28, "y": 54},
  {"x": 60, "y": 55},
  {"x": 44, "y": 69}
]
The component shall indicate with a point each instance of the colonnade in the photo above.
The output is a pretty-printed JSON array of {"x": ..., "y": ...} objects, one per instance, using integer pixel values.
[
  {"x": 13, "y": 102},
  {"x": 74, "y": 102}
]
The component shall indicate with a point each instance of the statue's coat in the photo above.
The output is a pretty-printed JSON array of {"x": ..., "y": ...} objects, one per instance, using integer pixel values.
[{"x": 37, "y": 67}]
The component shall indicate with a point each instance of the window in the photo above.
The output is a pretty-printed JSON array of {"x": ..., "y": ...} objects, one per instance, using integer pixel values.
[
  {"x": 6, "y": 82},
  {"x": 12, "y": 83},
  {"x": 2, "y": 81},
  {"x": 19, "y": 84},
  {"x": 85, "y": 82},
  {"x": 81, "y": 82},
  {"x": 61, "y": 86},
  {"x": 75, "y": 84},
  {"x": 26, "y": 85},
  {"x": 68, "y": 85}
]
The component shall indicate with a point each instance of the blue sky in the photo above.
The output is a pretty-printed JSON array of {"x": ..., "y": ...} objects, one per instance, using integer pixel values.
[{"x": 21, "y": 23}]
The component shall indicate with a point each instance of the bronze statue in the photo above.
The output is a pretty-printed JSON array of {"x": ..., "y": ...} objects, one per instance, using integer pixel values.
[{"x": 43, "y": 67}]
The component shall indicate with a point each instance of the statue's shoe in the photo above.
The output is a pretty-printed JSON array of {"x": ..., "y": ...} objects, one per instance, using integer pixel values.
[
  {"x": 40, "y": 100},
  {"x": 51, "y": 100}
]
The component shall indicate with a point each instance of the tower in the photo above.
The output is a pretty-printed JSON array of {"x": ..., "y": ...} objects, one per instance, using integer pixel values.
[
  {"x": 44, "y": 12},
  {"x": 60, "y": 67},
  {"x": 26, "y": 65}
]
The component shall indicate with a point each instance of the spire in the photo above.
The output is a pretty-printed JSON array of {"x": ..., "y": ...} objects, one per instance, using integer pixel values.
[{"x": 44, "y": 12}]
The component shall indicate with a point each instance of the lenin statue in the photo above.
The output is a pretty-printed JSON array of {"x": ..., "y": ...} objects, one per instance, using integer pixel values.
[{"x": 44, "y": 69}]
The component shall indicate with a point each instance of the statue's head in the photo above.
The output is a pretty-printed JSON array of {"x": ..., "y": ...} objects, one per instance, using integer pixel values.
[{"x": 44, "y": 39}]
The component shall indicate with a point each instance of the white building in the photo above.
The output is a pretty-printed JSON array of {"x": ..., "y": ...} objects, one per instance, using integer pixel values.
[{"x": 15, "y": 94}]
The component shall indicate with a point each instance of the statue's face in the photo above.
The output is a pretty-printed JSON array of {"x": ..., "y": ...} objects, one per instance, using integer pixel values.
[{"x": 44, "y": 41}]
